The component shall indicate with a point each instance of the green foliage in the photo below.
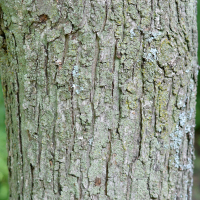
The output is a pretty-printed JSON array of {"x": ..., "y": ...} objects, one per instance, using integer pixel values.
[{"x": 3, "y": 153}]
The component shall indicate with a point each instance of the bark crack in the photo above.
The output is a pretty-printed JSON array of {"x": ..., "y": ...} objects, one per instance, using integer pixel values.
[
  {"x": 40, "y": 137},
  {"x": 32, "y": 180},
  {"x": 46, "y": 68},
  {"x": 94, "y": 66},
  {"x": 106, "y": 17}
]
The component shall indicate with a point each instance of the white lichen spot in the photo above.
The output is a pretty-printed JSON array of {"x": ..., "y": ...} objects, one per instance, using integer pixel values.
[
  {"x": 176, "y": 141},
  {"x": 187, "y": 70},
  {"x": 77, "y": 88},
  {"x": 152, "y": 56},
  {"x": 75, "y": 71},
  {"x": 176, "y": 159},
  {"x": 132, "y": 33},
  {"x": 188, "y": 129},
  {"x": 190, "y": 114},
  {"x": 191, "y": 86},
  {"x": 154, "y": 53},
  {"x": 91, "y": 141},
  {"x": 182, "y": 119},
  {"x": 154, "y": 35},
  {"x": 181, "y": 104}
]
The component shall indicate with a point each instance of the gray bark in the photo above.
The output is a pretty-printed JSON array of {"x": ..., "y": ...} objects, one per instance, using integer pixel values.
[{"x": 100, "y": 98}]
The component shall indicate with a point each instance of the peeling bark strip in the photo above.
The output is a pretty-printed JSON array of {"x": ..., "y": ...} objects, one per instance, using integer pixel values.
[{"x": 100, "y": 98}]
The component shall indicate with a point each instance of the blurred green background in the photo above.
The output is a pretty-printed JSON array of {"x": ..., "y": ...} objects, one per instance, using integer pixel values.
[
  {"x": 3, "y": 152},
  {"x": 196, "y": 187}
]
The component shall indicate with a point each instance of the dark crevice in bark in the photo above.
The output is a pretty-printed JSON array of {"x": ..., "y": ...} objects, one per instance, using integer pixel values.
[
  {"x": 189, "y": 141},
  {"x": 123, "y": 25},
  {"x": 66, "y": 160},
  {"x": 177, "y": 10},
  {"x": 168, "y": 171},
  {"x": 2, "y": 33},
  {"x": 148, "y": 186},
  {"x": 20, "y": 131},
  {"x": 43, "y": 187},
  {"x": 4, "y": 45},
  {"x": 142, "y": 48},
  {"x": 59, "y": 183},
  {"x": 46, "y": 68},
  {"x": 94, "y": 68},
  {"x": 140, "y": 131},
  {"x": 16, "y": 57},
  {"x": 32, "y": 180},
  {"x": 106, "y": 17},
  {"x": 113, "y": 69},
  {"x": 38, "y": 119},
  {"x": 93, "y": 85},
  {"x": 59, "y": 188},
  {"x": 9, "y": 163},
  {"x": 154, "y": 117},
  {"x": 152, "y": 14},
  {"x": 141, "y": 99}
]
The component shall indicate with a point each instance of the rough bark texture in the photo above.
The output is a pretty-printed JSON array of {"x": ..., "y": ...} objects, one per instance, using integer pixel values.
[{"x": 100, "y": 98}]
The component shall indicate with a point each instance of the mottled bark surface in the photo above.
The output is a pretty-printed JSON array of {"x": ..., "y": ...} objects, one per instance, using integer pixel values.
[{"x": 100, "y": 98}]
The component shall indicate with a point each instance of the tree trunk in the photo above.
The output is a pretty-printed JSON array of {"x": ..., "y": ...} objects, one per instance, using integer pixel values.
[{"x": 100, "y": 98}]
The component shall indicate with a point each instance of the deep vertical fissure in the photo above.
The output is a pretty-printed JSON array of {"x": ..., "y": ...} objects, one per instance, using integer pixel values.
[
  {"x": 46, "y": 68},
  {"x": 94, "y": 67},
  {"x": 106, "y": 11},
  {"x": 32, "y": 180},
  {"x": 177, "y": 10}
]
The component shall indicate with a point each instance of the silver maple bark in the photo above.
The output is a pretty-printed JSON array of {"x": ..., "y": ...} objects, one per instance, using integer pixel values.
[{"x": 100, "y": 98}]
